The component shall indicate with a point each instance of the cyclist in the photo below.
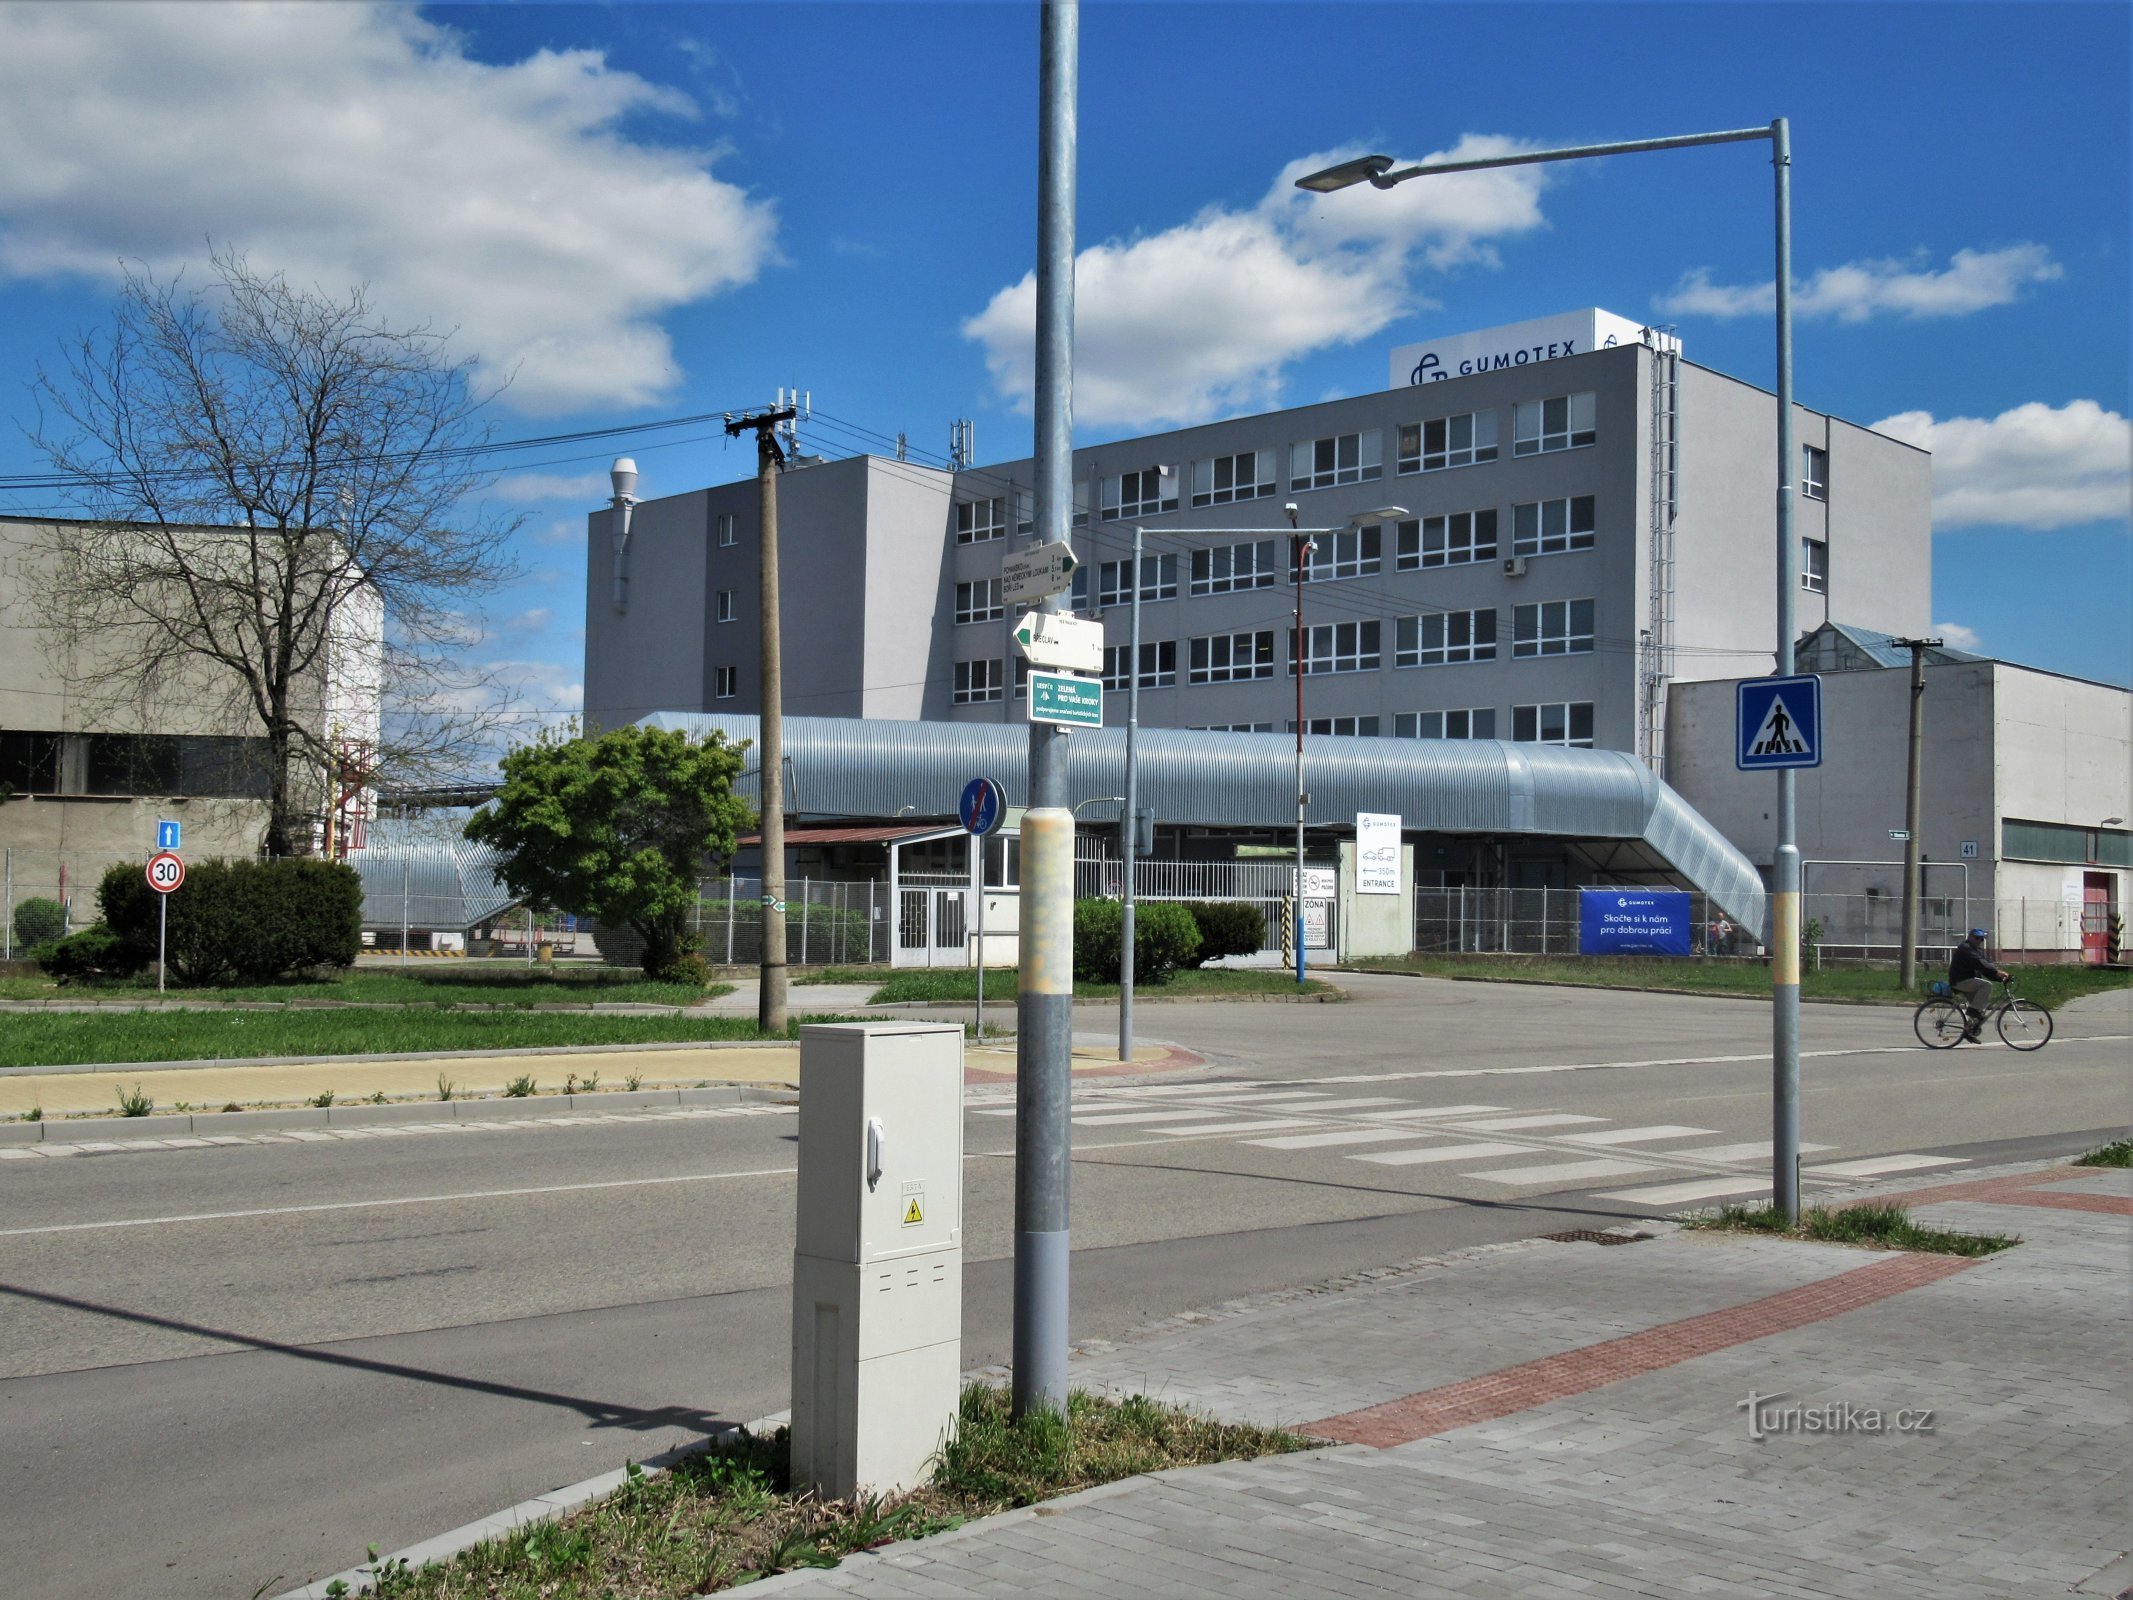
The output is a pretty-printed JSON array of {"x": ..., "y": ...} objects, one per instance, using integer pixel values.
[{"x": 1972, "y": 976}]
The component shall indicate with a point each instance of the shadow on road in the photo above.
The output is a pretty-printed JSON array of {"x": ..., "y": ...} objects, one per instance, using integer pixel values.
[{"x": 599, "y": 1413}]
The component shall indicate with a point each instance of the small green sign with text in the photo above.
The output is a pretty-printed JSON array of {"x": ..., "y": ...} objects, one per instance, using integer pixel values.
[{"x": 1065, "y": 699}]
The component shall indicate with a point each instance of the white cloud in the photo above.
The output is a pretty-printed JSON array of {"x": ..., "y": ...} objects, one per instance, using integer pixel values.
[
  {"x": 360, "y": 143},
  {"x": 530, "y": 488},
  {"x": 1957, "y": 637},
  {"x": 1203, "y": 318},
  {"x": 1973, "y": 280},
  {"x": 559, "y": 531},
  {"x": 2035, "y": 467},
  {"x": 533, "y": 621}
]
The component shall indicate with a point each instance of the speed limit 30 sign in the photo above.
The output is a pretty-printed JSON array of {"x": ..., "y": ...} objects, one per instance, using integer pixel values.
[{"x": 166, "y": 870}]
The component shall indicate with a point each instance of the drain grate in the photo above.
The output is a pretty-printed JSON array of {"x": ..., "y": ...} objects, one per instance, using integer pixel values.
[{"x": 1592, "y": 1236}]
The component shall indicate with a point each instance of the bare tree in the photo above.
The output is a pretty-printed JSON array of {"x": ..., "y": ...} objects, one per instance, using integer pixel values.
[{"x": 279, "y": 495}]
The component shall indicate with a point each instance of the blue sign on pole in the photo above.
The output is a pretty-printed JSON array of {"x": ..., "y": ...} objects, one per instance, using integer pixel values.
[
  {"x": 983, "y": 804},
  {"x": 1652, "y": 922},
  {"x": 166, "y": 836},
  {"x": 1780, "y": 723}
]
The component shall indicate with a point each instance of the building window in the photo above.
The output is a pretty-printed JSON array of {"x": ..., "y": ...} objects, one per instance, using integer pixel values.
[
  {"x": 1555, "y": 723},
  {"x": 1345, "y": 458},
  {"x": 979, "y": 520},
  {"x": 1231, "y": 657},
  {"x": 726, "y": 609},
  {"x": 1226, "y": 479},
  {"x": 1146, "y": 493},
  {"x": 1444, "y": 638},
  {"x": 1021, "y": 677},
  {"x": 1814, "y": 566},
  {"x": 725, "y": 682},
  {"x": 1229, "y": 568},
  {"x": 1338, "y": 647},
  {"x": 1159, "y": 580},
  {"x": 1549, "y": 527},
  {"x": 977, "y": 681},
  {"x": 1350, "y": 727},
  {"x": 1078, "y": 591},
  {"x": 1563, "y": 423},
  {"x": 1478, "y": 723},
  {"x": 979, "y": 601},
  {"x": 1351, "y": 553},
  {"x": 1233, "y": 727},
  {"x": 1552, "y": 628},
  {"x": 1025, "y": 512},
  {"x": 1814, "y": 472},
  {"x": 29, "y": 762},
  {"x": 1159, "y": 664},
  {"x": 1447, "y": 541},
  {"x": 729, "y": 532},
  {"x": 1460, "y": 441}
]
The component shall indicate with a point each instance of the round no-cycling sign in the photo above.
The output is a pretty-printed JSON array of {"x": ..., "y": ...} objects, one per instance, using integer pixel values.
[
  {"x": 983, "y": 804},
  {"x": 166, "y": 870}
]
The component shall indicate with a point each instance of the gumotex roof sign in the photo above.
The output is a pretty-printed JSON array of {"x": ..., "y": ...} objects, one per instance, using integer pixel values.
[{"x": 1516, "y": 344}]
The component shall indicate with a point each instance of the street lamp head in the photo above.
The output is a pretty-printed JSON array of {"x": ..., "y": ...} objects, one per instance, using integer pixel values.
[
  {"x": 623, "y": 475},
  {"x": 1383, "y": 514},
  {"x": 1363, "y": 169}
]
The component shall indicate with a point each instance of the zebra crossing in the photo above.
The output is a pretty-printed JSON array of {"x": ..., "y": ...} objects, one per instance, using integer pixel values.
[{"x": 1494, "y": 1146}]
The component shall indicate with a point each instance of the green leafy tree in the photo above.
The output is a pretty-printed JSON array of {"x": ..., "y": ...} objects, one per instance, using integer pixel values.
[{"x": 622, "y": 828}]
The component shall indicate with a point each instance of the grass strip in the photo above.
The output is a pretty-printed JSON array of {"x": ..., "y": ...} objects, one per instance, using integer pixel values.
[
  {"x": 2051, "y": 986},
  {"x": 419, "y": 987},
  {"x": 1871, "y": 1223},
  {"x": 949, "y": 985},
  {"x": 2119, "y": 1153},
  {"x": 73, "y": 1038},
  {"x": 730, "y": 1515}
]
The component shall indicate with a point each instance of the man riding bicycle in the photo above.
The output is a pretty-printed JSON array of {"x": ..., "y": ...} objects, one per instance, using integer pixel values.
[{"x": 1972, "y": 976}]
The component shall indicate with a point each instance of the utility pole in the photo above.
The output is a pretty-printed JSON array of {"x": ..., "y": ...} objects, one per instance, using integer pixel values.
[
  {"x": 770, "y": 745},
  {"x": 1907, "y": 967},
  {"x": 1045, "y": 985},
  {"x": 1301, "y": 545},
  {"x": 1785, "y": 903}
]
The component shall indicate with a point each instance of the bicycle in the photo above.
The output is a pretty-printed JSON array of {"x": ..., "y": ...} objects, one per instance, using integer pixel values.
[{"x": 1943, "y": 1020}]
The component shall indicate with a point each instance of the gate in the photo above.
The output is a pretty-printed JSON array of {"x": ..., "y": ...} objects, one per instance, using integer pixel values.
[
  {"x": 930, "y": 920},
  {"x": 1265, "y": 884}
]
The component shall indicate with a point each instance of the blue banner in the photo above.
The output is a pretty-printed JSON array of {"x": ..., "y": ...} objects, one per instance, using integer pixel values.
[{"x": 1645, "y": 922}]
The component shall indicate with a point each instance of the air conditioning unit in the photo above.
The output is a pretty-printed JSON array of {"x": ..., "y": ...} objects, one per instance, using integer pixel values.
[{"x": 1514, "y": 567}]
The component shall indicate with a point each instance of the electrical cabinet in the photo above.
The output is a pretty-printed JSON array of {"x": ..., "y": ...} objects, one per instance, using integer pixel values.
[{"x": 878, "y": 1256}]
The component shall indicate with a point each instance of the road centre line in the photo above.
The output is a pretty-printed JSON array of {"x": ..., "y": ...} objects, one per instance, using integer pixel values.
[{"x": 399, "y": 1200}]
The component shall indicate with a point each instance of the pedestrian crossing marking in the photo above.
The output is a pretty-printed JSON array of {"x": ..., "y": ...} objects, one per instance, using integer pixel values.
[
  {"x": 1876, "y": 1165},
  {"x": 1752, "y": 1150},
  {"x": 1664, "y": 1130},
  {"x": 1438, "y": 1111},
  {"x": 1674, "y": 1194},
  {"x": 1257, "y": 1125},
  {"x": 1562, "y": 1172},
  {"x": 1558, "y": 1119},
  {"x": 1450, "y": 1152},
  {"x": 1317, "y": 1141}
]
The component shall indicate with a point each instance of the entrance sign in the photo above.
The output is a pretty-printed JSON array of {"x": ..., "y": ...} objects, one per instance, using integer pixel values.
[
  {"x": 1633, "y": 922},
  {"x": 983, "y": 804},
  {"x": 1780, "y": 723},
  {"x": 1055, "y": 639},
  {"x": 1068, "y": 701},
  {"x": 166, "y": 870},
  {"x": 166, "y": 836},
  {"x": 1377, "y": 853},
  {"x": 1037, "y": 574}
]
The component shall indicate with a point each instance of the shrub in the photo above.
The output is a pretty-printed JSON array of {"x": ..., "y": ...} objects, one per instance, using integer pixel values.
[
  {"x": 1165, "y": 937},
  {"x": 39, "y": 921},
  {"x": 95, "y": 952},
  {"x": 686, "y": 968},
  {"x": 248, "y": 920},
  {"x": 1227, "y": 928}
]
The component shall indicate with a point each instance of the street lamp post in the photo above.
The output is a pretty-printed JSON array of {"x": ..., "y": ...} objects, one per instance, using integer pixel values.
[
  {"x": 1380, "y": 172},
  {"x": 1301, "y": 542}
]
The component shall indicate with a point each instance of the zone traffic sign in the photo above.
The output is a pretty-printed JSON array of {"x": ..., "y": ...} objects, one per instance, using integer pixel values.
[{"x": 166, "y": 870}]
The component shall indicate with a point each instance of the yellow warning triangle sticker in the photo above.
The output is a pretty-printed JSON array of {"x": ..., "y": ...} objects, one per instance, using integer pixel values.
[{"x": 912, "y": 1213}]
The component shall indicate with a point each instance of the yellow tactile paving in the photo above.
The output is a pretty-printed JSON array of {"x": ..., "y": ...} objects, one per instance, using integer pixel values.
[{"x": 207, "y": 1088}]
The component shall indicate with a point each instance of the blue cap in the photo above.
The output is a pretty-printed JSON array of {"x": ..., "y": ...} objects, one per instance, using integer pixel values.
[{"x": 1980, "y": 933}]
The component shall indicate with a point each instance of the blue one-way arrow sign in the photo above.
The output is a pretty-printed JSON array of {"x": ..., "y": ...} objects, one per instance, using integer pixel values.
[{"x": 1780, "y": 724}]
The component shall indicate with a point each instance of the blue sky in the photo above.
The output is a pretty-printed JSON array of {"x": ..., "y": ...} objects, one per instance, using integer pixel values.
[{"x": 649, "y": 211}]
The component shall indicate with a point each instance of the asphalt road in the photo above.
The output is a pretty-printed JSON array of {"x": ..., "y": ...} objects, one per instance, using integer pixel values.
[{"x": 225, "y": 1370}]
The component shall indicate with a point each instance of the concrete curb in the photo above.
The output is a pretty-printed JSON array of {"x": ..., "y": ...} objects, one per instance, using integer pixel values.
[
  {"x": 76, "y": 1130},
  {"x": 122, "y": 1068}
]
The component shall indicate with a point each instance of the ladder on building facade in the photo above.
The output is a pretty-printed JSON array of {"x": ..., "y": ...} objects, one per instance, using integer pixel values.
[{"x": 1656, "y": 653}]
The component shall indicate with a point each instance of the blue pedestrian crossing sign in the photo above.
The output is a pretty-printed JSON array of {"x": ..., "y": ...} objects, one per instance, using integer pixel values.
[
  {"x": 1780, "y": 724},
  {"x": 166, "y": 836}
]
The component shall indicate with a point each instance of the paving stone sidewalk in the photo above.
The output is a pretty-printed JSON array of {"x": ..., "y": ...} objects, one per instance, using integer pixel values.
[{"x": 1647, "y": 1483}]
